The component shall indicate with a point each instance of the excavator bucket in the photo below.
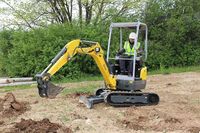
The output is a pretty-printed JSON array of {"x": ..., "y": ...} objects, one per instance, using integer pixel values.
[{"x": 48, "y": 89}]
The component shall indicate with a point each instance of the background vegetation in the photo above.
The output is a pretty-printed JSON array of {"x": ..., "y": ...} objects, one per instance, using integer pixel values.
[{"x": 26, "y": 48}]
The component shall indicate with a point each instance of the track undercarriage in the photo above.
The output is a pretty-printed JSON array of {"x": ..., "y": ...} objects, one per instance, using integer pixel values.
[
  {"x": 116, "y": 98},
  {"x": 120, "y": 98}
]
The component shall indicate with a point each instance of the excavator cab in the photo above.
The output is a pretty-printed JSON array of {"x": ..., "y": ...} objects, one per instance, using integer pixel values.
[{"x": 119, "y": 32}]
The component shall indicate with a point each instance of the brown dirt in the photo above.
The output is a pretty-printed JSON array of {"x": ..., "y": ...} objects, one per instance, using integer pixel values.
[
  {"x": 75, "y": 115},
  {"x": 77, "y": 94},
  {"x": 177, "y": 112},
  {"x": 43, "y": 126},
  {"x": 10, "y": 107},
  {"x": 150, "y": 120},
  {"x": 131, "y": 125},
  {"x": 194, "y": 130}
]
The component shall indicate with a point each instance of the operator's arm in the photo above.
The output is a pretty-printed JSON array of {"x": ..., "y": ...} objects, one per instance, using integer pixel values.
[{"x": 120, "y": 52}]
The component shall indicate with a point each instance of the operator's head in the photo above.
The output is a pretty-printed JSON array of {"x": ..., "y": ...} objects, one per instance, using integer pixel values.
[{"x": 132, "y": 37}]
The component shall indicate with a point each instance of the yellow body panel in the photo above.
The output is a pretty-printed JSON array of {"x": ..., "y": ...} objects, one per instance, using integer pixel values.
[{"x": 143, "y": 73}]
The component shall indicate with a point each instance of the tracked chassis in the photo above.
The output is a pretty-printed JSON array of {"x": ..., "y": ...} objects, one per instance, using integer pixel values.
[{"x": 120, "y": 98}]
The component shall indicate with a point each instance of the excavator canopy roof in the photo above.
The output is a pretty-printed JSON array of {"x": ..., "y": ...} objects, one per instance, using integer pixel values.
[{"x": 127, "y": 25}]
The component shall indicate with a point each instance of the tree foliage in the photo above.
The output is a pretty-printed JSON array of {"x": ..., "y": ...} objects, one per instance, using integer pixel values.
[
  {"x": 40, "y": 13},
  {"x": 24, "y": 14},
  {"x": 174, "y": 29}
]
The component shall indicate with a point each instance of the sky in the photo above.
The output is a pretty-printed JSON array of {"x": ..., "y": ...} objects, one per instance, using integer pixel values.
[
  {"x": 7, "y": 17},
  {"x": 4, "y": 17}
]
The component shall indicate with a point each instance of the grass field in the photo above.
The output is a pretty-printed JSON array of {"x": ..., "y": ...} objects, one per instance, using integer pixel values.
[{"x": 88, "y": 88}]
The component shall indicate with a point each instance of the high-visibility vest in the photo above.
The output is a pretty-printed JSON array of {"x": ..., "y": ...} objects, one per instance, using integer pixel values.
[{"x": 128, "y": 49}]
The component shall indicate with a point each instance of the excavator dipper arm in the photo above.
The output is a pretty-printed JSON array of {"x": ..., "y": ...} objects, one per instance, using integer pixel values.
[{"x": 47, "y": 89}]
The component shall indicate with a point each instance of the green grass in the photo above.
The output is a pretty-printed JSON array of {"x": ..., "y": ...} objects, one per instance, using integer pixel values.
[
  {"x": 150, "y": 72},
  {"x": 82, "y": 78},
  {"x": 64, "y": 118},
  {"x": 18, "y": 87},
  {"x": 87, "y": 89},
  {"x": 92, "y": 88},
  {"x": 175, "y": 70}
]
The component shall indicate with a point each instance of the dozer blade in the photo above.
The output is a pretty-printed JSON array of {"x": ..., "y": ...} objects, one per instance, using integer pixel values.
[
  {"x": 49, "y": 90},
  {"x": 86, "y": 101},
  {"x": 91, "y": 100}
]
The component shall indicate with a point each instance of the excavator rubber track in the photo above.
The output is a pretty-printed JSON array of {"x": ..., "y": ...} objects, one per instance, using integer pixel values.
[{"x": 123, "y": 99}]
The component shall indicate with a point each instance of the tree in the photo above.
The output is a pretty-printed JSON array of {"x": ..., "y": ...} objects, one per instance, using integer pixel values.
[
  {"x": 40, "y": 13},
  {"x": 61, "y": 10}
]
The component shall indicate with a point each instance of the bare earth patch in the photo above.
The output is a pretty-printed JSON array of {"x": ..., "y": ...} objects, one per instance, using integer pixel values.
[
  {"x": 178, "y": 110},
  {"x": 77, "y": 94}
]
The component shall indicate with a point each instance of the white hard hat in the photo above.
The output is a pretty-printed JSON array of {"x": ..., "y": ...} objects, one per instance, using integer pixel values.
[{"x": 132, "y": 35}]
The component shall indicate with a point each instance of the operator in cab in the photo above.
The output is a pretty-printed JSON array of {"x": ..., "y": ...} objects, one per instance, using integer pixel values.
[{"x": 128, "y": 52}]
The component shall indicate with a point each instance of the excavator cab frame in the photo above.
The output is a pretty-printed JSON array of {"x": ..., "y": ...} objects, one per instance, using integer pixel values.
[{"x": 137, "y": 26}]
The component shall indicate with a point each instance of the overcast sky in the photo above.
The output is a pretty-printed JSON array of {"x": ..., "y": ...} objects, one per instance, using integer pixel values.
[{"x": 6, "y": 17}]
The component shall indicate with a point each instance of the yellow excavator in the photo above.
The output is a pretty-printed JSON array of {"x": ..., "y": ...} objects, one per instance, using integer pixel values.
[{"x": 120, "y": 89}]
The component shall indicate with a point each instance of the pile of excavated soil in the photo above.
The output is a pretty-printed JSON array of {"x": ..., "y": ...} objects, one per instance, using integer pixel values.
[
  {"x": 10, "y": 107},
  {"x": 43, "y": 126}
]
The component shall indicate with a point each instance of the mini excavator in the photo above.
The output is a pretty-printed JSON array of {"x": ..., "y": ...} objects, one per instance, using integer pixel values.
[{"x": 120, "y": 89}]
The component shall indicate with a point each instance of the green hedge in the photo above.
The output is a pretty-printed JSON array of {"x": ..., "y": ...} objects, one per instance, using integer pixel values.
[
  {"x": 174, "y": 33},
  {"x": 25, "y": 53}
]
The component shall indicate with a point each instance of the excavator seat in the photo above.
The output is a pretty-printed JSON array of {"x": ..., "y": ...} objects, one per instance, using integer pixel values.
[{"x": 116, "y": 70}]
